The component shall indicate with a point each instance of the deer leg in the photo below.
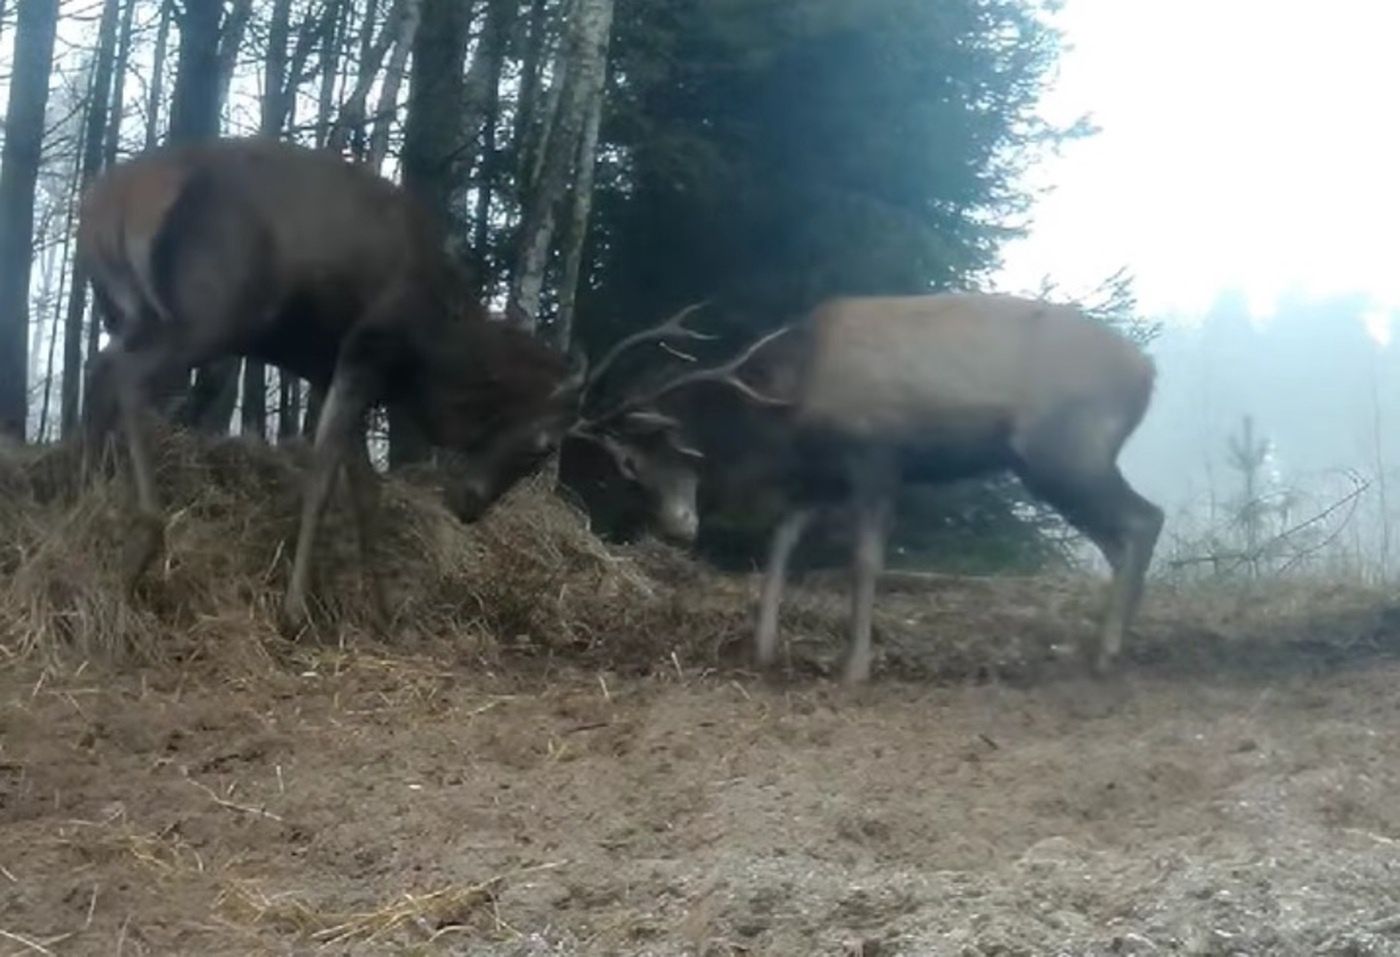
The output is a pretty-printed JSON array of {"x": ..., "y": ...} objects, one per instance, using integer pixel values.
[
  {"x": 1093, "y": 496},
  {"x": 785, "y": 539},
  {"x": 131, "y": 371},
  {"x": 364, "y": 498},
  {"x": 100, "y": 413},
  {"x": 344, "y": 409},
  {"x": 873, "y": 482}
]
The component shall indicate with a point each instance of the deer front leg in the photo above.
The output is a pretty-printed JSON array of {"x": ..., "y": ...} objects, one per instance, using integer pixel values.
[
  {"x": 785, "y": 539},
  {"x": 364, "y": 498},
  {"x": 346, "y": 402}
]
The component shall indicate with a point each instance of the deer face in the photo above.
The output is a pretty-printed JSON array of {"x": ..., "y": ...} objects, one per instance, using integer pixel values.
[
  {"x": 487, "y": 463},
  {"x": 651, "y": 451}
]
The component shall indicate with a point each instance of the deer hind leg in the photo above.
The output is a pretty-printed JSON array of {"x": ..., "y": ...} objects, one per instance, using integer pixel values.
[
  {"x": 132, "y": 373},
  {"x": 785, "y": 539},
  {"x": 1073, "y": 470},
  {"x": 873, "y": 480}
]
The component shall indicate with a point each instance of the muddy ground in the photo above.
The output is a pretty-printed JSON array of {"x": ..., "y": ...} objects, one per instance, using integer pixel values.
[{"x": 362, "y": 803}]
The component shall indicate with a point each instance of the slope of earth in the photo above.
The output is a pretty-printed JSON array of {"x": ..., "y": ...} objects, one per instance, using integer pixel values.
[{"x": 361, "y": 805}]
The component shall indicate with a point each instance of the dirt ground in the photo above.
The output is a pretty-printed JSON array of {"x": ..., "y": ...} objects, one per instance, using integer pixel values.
[{"x": 349, "y": 803}]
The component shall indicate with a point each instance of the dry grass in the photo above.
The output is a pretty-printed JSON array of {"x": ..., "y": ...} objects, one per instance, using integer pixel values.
[{"x": 531, "y": 579}]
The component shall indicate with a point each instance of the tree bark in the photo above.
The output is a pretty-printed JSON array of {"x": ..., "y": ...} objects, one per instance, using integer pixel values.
[
  {"x": 581, "y": 61},
  {"x": 37, "y": 23},
  {"x": 526, "y": 103},
  {"x": 230, "y": 42},
  {"x": 194, "y": 106},
  {"x": 157, "y": 89},
  {"x": 94, "y": 130},
  {"x": 352, "y": 111},
  {"x": 274, "y": 111},
  {"x": 393, "y": 78},
  {"x": 483, "y": 112},
  {"x": 432, "y": 157},
  {"x": 576, "y": 229},
  {"x": 433, "y": 128},
  {"x": 332, "y": 37},
  {"x": 116, "y": 108}
]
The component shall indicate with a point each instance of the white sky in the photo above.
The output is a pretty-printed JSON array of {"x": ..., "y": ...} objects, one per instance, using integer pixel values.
[{"x": 1246, "y": 144}]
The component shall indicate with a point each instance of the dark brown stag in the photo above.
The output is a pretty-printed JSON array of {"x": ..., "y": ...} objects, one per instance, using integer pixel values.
[
  {"x": 294, "y": 257},
  {"x": 865, "y": 393}
]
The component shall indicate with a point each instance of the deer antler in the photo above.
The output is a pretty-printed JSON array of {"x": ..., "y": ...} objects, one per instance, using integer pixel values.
[
  {"x": 726, "y": 373},
  {"x": 674, "y": 326}
]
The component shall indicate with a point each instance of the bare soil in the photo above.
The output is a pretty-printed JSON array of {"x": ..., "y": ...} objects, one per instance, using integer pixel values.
[{"x": 353, "y": 803}]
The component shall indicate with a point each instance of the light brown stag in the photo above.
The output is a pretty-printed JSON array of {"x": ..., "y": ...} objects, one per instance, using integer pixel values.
[{"x": 865, "y": 393}]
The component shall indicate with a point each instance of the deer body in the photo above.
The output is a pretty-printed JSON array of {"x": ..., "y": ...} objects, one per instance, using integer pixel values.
[
  {"x": 868, "y": 393},
  {"x": 258, "y": 248}
]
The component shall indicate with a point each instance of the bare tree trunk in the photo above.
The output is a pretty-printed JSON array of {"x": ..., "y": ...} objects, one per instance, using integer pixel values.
[
  {"x": 486, "y": 77},
  {"x": 94, "y": 128},
  {"x": 433, "y": 128},
  {"x": 432, "y": 155},
  {"x": 37, "y": 23},
  {"x": 581, "y": 60},
  {"x": 194, "y": 106},
  {"x": 156, "y": 92},
  {"x": 330, "y": 64},
  {"x": 117, "y": 106},
  {"x": 230, "y": 42},
  {"x": 576, "y": 229},
  {"x": 4, "y": 9},
  {"x": 274, "y": 110},
  {"x": 352, "y": 111},
  {"x": 526, "y": 103},
  {"x": 388, "y": 103}
]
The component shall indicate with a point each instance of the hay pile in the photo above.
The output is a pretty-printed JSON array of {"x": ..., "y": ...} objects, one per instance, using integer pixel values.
[{"x": 530, "y": 577}]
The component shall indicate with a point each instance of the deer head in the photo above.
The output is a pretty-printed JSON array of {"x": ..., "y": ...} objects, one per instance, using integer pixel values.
[{"x": 653, "y": 449}]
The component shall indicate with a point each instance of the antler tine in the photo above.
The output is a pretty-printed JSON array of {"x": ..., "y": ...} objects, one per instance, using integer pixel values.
[
  {"x": 674, "y": 326},
  {"x": 726, "y": 372}
]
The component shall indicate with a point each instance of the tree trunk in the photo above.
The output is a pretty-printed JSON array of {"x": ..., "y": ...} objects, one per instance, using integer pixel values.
[
  {"x": 433, "y": 128},
  {"x": 94, "y": 129},
  {"x": 157, "y": 90},
  {"x": 274, "y": 110},
  {"x": 230, "y": 42},
  {"x": 37, "y": 23},
  {"x": 352, "y": 112},
  {"x": 388, "y": 103},
  {"x": 117, "y": 106},
  {"x": 526, "y": 103},
  {"x": 576, "y": 229},
  {"x": 483, "y": 90},
  {"x": 432, "y": 155},
  {"x": 582, "y": 59},
  {"x": 332, "y": 38},
  {"x": 194, "y": 106}
]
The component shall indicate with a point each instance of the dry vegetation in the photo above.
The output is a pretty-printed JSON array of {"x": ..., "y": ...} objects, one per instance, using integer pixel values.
[
  {"x": 532, "y": 580},
  {"x": 555, "y": 748}
]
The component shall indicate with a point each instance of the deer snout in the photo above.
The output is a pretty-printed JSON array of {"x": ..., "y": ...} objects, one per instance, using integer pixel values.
[{"x": 678, "y": 523}]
